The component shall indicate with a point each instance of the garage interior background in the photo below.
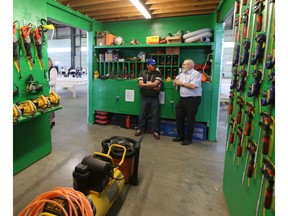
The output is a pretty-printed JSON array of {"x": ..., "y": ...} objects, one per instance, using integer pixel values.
[{"x": 96, "y": 27}]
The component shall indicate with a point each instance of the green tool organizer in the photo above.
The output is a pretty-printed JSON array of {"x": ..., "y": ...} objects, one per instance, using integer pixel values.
[
  {"x": 31, "y": 132},
  {"x": 117, "y": 63},
  {"x": 249, "y": 171}
]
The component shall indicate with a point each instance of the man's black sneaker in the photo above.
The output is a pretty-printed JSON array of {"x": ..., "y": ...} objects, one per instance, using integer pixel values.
[
  {"x": 186, "y": 142},
  {"x": 178, "y": 139}
]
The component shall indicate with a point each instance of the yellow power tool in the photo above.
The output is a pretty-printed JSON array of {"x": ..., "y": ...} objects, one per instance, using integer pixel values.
[
  {"x": 54, "y": 98},
  {"x": 27, "y": 108},
  {"x": 16, "y": 112},
  {"x": 42, "y": 102}
]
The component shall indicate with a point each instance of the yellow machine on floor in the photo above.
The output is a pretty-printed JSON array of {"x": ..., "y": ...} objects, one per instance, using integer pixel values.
[{"x": 97, "y": 182}]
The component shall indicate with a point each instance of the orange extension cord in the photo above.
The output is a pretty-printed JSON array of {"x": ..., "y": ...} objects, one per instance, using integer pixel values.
[{"x": 73, "y": 197}]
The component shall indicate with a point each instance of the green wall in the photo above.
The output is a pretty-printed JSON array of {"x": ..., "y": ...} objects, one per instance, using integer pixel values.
[
  {"x": 241, "y": 192},
  {"x": 141, "y": 28},
  {"x": 224, "y": 8}
]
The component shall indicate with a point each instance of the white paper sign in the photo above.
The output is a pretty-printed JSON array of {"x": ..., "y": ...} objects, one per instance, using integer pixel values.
[
  {"x": 129, "y": 95},
  {"x": 162, "y": 97}
]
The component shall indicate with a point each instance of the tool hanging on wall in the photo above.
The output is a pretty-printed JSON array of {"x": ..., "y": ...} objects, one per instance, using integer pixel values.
[
  {"x": 244, "y": 20},
  {"x": 235, "y": 79},
  {"x": 264, "y": 124},
  {"x": 33, "y": 87},
  {"x": 268, "y": 129},
  {"x": 38, "y": 45},
  {"x": 268, "y": 173},
  {"x": 237, "y": 28},
  {"x": 252, "y": 31},
  {"x": 26, "y": 42},
  {"x": 242, "y": 80},
  {"x": 249, "y": 111},
  {"x": 270, "y": 93},
  {"x": 255, "y": 86},
  {"x": 231, "y": 129},
  {"x": 258, "y": 9},
  {"x": 241, "y": 103},
  {"x": 245, "y": 58},
  {"x": 260, "y": 40},
  {"x": 267, "y": 30},
  {"x": 250, "y": 114},
  {"x": 15, "y": 50},
  {"x": 238, "y": 149},
  {"x": 237, "y": 54},
  {"x": 231, "y": 101},
  {"x": 271, "y": 61},
  {"x": 237, "y": 6},
  {"x": 39, "y": 39},
  {"x": 251, "y": 151}
]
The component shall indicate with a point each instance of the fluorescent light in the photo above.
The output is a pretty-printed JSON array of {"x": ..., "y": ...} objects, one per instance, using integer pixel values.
[{"x": 141, "y": 8}]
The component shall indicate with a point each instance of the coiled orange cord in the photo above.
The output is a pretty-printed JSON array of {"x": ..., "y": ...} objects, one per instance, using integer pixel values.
[{"x": 72, "y": 196}]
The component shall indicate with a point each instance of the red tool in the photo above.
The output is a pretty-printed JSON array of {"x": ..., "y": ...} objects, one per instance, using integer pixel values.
[
  {"x": 251, "y": 148},
  {"x": 26, "y": 41},
  {"x": 258, "y": 8},
  {"x": 238, "y": 150},
  {"x": 268, "y": 172},
  {"x": 38, "y": 32},
  {"x": 237, "y": 26},
  {"x": 231, "y": 97},
  {"x": 15, "y": 50},
  {"x": 230, "y": 139},
  {"x": 264, "y": 124},
  {"x": 244, "y": 20},
  {"x": 249, "y": 113},
  {"x": 237, "y": 6},
  {"x": 240, "y": 102}
]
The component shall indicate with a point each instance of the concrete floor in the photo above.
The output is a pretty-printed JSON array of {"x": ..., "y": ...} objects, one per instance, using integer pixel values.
[{"x": 174, "y": 180}]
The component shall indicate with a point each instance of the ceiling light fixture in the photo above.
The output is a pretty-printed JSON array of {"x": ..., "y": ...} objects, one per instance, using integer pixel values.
[{"x": 141, "y": 8}]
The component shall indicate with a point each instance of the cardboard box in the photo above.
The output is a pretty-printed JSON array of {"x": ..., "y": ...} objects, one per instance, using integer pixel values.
[
  {"x": 174, "y": 39},
  {"x": 152, "y": 39},
  {"x": 100, "y": 40},
  {"x": 104, "y": 38},
  {"x": 173, "y": 51}
]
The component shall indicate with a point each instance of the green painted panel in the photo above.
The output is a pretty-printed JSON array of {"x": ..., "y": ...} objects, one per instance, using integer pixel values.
[
  {"x": 32, "y": 141},
  {"x": 107, "y": 97},
  {"x": 129, "y": 98},
  {"x": 29, "y": 12},
  {"x": 111, "y": 96},
  {"x": 235, "y": 191},
  {"x": 218, "y": 36}
]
